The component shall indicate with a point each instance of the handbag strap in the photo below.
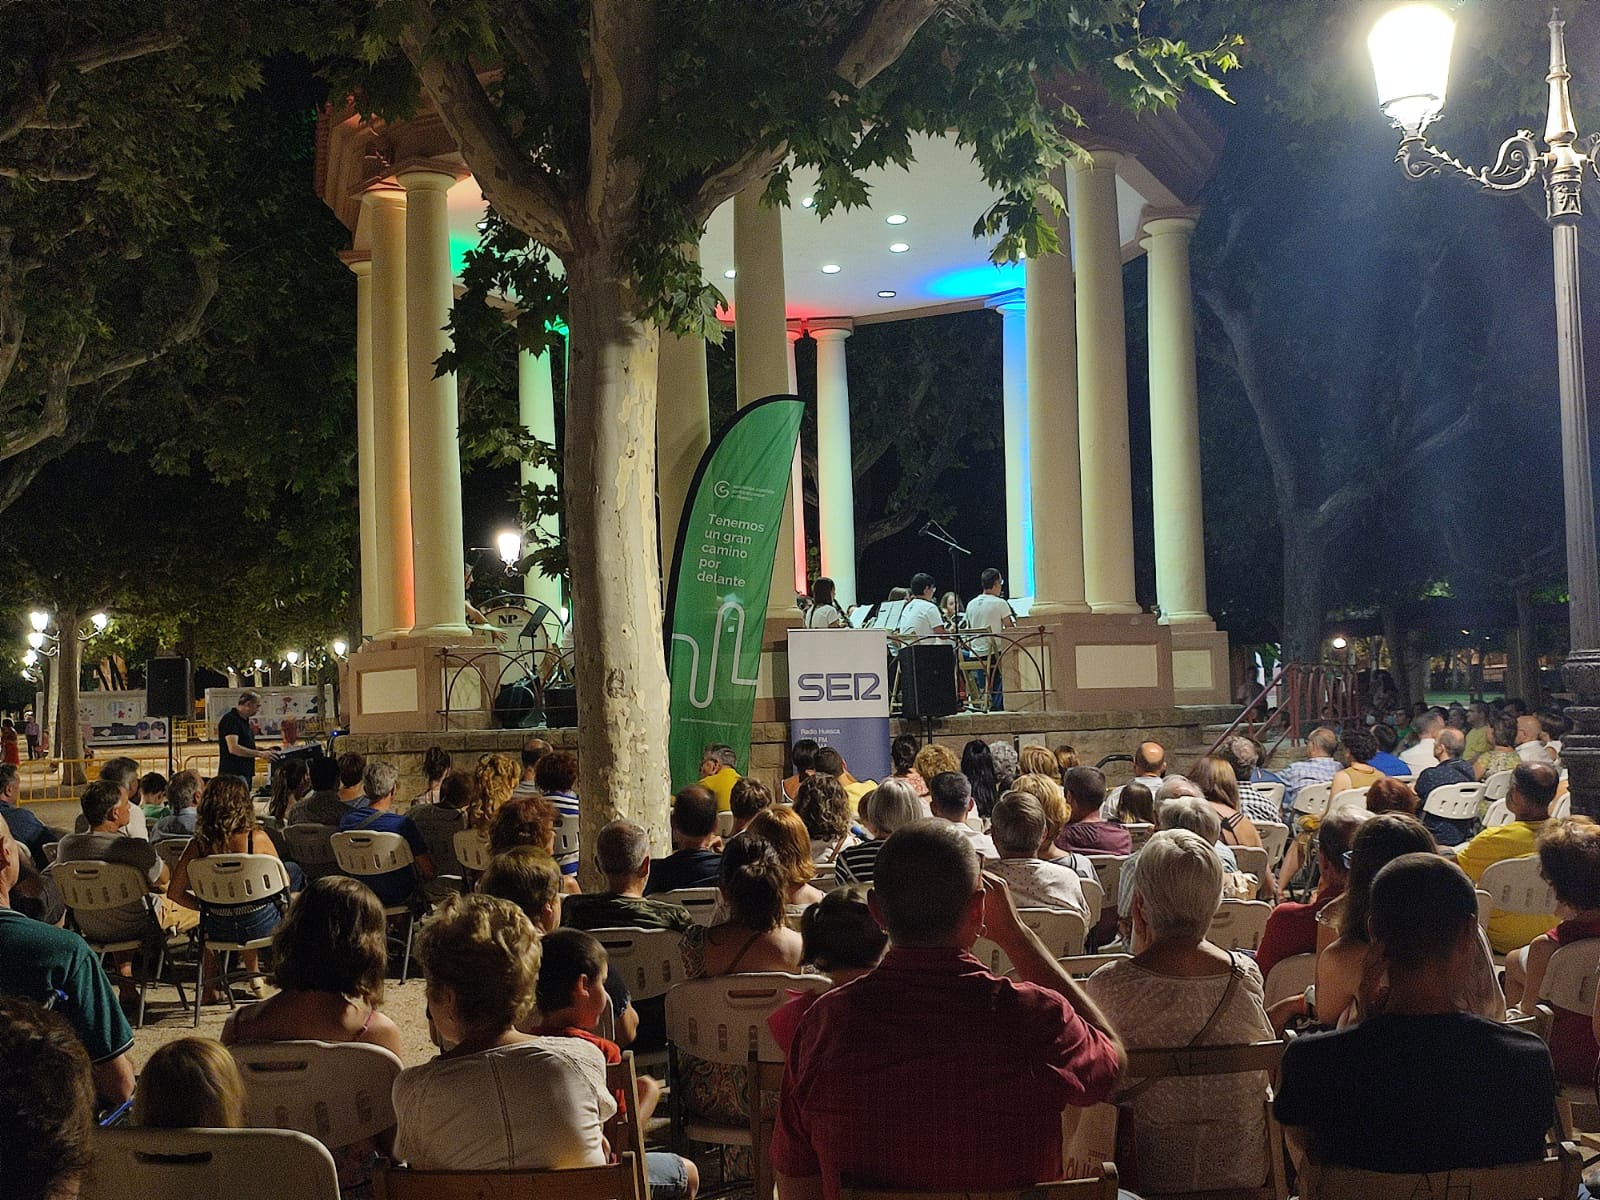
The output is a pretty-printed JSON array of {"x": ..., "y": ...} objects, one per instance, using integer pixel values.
[{"x": 1235, "y": 975}]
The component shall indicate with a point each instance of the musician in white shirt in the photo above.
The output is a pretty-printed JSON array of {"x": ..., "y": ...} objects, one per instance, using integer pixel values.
[
  {"x": 990, "y": 612},
  {"x": 920, "y": 618},
  {"x": 823, "y": 612}
]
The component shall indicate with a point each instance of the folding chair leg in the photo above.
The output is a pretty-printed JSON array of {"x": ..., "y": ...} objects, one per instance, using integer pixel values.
[
  {"x": 405, "y": 961},
  {"x": 227, "y": 986},
  {"x": 199, "y": 978}
]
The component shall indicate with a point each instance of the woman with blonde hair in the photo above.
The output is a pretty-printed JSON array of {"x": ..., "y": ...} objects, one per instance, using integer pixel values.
[
  {"x": 1036, "y": 760},
  {"x": 497, "y": 776},
  {"x": 192, "y": 1083},
  {"x": 782, "y": 829},
  {"x": 1066, "y": 759},
  {"x": 934, "y": 759}
]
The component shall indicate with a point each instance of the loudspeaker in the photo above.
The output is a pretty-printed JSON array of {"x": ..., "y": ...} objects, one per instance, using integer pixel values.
[
  {"x": 167, "y": 691},
  {"x": 561, "y": 707},
  {"x": 928, "y": 680},
  {"x": 514, "y": 705}
]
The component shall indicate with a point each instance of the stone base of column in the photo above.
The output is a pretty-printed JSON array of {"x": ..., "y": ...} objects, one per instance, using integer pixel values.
[
  {"x": 772, "y": 679},
  {"x": 1199, "y": 664},
  {"x": 422, "y": 684},
  {"x": 1074, "y": 662}
]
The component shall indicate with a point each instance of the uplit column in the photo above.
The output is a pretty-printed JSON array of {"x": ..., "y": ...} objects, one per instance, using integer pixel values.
[
  {"x": 1056, "y": 505},
  {"x": 391, "y": 417},
  {"x": 1012, "y": 308},
  {"x": 795, "y": 330},
  {"x": 366, "y": 454},
  {"x": 536, "y": 409},
  {"x": 836, "y": 492},
  {"x": 683, "y": 430},
  {"x": 1102, "y": 388},
  {"x": 761, "y": 356},
  {"x": 1175, "y": 427},
  {"x": 439, "y": 549}
]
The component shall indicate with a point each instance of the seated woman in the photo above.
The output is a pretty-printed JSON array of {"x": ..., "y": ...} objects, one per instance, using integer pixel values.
[
  {"x": 934, "y": 759},
  {"x": 1136, "y": 804},
  {"x": 1179, "y": 991},
  {"x": 1034, "y": 759},
  {"x": 1569, "y": 860},
  {"x": 1360, "y": 746},
  {"x": 497, "y": 1099},
  {"x": 903, "y": 755},
  {"x": 824, "y": 806},
  {"x": 839, "y": 937},
  {"x": 786, "y": 833},
  {"x": 226, "y": 824},
  {"x": 1502, "y": 752},
  {"x": 192, "y": 1083},
  {"x": 524, "y": 821},
  {"x": 887, "y": 807},
  {"x": 1343, "y": 965},
  {"x": 803, "y": 754},
  {"x": 1220, "y": 788}
]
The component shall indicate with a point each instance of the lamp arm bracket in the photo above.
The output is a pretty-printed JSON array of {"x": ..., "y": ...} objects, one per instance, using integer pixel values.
[
  {"x": 1593, "y": 155},
  {"x": 1515, "y": 166}
]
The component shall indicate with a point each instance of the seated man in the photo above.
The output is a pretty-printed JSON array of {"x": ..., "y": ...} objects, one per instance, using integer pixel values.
[
  {"x": 950, "y": 799},
  {"x": 1533, "y": 790},
  {"x": 696, "y": 859},
  {"x": 622, "y": 852},
  {"x": 375, "y": 814},
  {"x": 183, "y": 798},
  {"x": 27, "y": 828},
  {"x": 990, "y": 1088},
  {"x": 352, "y": 777},
  {"x": 1017, "y": 826},
  {"x": 717, "y": 773},
  {"x": 748, "y": 797},
  {"x": 325, "y": 805},
  {"x": 1085, "y": 830},
  {"x": 46, "y": 965},
  {"x": 1350, "y": 1098},
  {"x": 1450, "y": 768}
]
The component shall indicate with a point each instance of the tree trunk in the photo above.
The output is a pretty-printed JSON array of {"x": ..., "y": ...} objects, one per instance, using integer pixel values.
[
  {"x": 1417, "y": 669},
  {"x": 616, "y": 589},
  {"x": 1303, "y": 604},
  {"x": 1394, "y": 638},
  {"x": 1527, "y": 681},
  {"x": 69, "y": 740}
]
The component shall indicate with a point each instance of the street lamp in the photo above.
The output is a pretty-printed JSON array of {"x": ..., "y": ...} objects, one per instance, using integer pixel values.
[
  {"x": 39, "y": 620},
  {"x": 1410, "y": 48},
  {"x": 340, "y": 646},
  {"x": 509, "y": 544}
]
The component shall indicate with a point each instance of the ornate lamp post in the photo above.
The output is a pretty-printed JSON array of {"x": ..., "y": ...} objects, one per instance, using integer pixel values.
[{"x": 1410, "y": 48}]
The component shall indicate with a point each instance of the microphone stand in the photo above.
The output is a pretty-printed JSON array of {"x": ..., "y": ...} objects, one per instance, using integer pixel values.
[{"x": 941, "y": 535}]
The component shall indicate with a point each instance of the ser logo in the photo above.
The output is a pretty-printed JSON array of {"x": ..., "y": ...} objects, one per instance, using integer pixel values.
[{"x": 839, "y": 686}]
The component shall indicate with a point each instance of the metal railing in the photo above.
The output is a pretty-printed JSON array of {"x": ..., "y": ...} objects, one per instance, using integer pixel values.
[
  {"x": 472, "y": 679},
  {"x": 43, "y": 780},
  {"x": 1298, "y": 698},
  {"x": 1023, "y": 651}
]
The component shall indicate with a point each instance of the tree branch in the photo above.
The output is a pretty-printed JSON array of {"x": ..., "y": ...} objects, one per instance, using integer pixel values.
[
  {"x": 103, "y": 54},
  {"x": 179, "y": 332},
  {"x": 52, "y": 420},
  {"x": 41, "y": 174}
]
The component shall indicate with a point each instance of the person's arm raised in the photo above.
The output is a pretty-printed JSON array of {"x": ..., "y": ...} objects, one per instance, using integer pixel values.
[{"x": 1033, "y": 963}]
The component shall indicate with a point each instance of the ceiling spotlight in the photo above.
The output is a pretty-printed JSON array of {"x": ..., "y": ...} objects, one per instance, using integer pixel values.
[
  {"x": 729, "y": 273},
  {"x": 896, "y": 218},
  {"x": 886, "y": 294},
  {"x": 807, "y": 201},
  {"x": 830, "y": 268},
  {"x": 899, "y": 247}
]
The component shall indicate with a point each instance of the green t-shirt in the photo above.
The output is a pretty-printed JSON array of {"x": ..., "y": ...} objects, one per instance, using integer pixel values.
[
  {"x": 37, "y": 961},
  {"x": 605, "y": 911}
]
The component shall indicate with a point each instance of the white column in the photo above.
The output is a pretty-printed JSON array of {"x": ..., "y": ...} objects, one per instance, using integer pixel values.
[
  {"x": 1012, "y": 308},
  {"x": 366, "y": 461},
  {"x": 683, "y": 430},
  {"x": 836, "y": 490},
  {"x": 536, "y": 409},
  {"x": 761, "y": 356},
  {"x": 795, "y": 330},
  {"x": 1175, "y": 427},
  {"x": 1102, "y": 388},
  {"x": 439, "y": 550},
  {"x": 1056, "y": 498},
  {"x": 391, "y": 415}
]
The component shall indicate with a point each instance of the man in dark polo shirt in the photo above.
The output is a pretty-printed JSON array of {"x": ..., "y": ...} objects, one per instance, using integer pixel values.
[{"x": 236, "y": 740}]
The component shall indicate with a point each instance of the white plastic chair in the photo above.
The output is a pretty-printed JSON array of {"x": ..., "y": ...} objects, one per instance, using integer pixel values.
[
  {"x": 1349, "y": 798},
  {"x": 240, "y": 1164},
  {"x": 1139, "y": 832},
  {"x": 170, "y": 850},
  {"x": 1252, "y": 860},
  {"x": 1562, "y": 808},
  {"x": 1497, "y": 786},
  {"x": 1094, "y": 899},
  {"x": 472, "y": 849},
  {"x": 1290, "y": 977},
  {"x": 92, "y": 885},
  {"x": 1570, "y": 977},
  {"x": 826, "y": 877},
  {"x": 700, "y": 901},
  {"x": 337, "y": 1092},
  {"x": 566, "y": 835},
  {"x": 1312, "y": 798},
  {"x": 1274, "y": 839},
  {"x": 231, "y": 881},
  {"x": 1498, "y": 814},
  {"x": 1455, "y": 801},
  {"x": 1485, "y": 908},
  {"x": 309, "y": 846},
  {"x": 646, "y": 960},
  {"x": 1271, "y": 791},
  {"x": 1081, "y": 966},
  {"x": 1239, "y": 924},
  {"x": 365, "y": 853},
  {"x": 1108, "y": 869},
  {"x": 1515, "y": 886},
  {"x": 1063, "y": 935},
  {"x": 724, "y": 824}
]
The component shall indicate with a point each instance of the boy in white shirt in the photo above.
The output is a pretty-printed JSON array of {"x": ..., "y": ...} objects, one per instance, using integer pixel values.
[{"x": 988, "y": 611}]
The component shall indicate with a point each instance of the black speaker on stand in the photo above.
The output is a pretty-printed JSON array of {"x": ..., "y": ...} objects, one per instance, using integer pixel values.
[
  {"x": 928, "y": 681},
  {"x": 169, "y": 693}
]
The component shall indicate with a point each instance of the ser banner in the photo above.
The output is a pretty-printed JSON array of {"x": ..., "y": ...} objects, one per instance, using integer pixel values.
[
  {"x": 721, "y": 574},
  {"x": 839, "y": 695}
]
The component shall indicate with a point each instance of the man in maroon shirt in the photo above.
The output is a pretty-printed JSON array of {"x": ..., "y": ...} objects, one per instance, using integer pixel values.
[
  {"x": 1292, "y": 928},
  {"x": 1085, "y": 831},
  {"x": 929, "y": 1073}
]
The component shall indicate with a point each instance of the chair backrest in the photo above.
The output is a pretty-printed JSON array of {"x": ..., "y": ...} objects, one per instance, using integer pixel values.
[
  {"x": 566, "y": 834},
  {"x": 1516, "y": 886},
  {"x": 1271, "y": 791},
  {"x": 1081, "y": 966},
  {"x": 1274, "y": 839},
  {"x": 170, "y": 850},
  {"x": 1556, "y": 1175},
  {"x": 338, "y": 1092},
  {"x": 472, "y": 849},
  {"x": 1348, "y": 798},
  {"x": 228, "y": 879},
  {"x": 1497, "y": 813},
  {"x": 724, "y": 1019},
  {"x": 614, "y": 1181},
  {"x": 1140, "y": 832},
  {"x": 1290, "y": 976},
  {"x": 826, "y": 877},
  {"x": 1569, "y": 977},
  {"x": 241, "y": 1164},
  {"x": 91, "y": 885},
  {"x": 1104, "y": 1188},
  {"x": 1094, "y": 900},
  {"x": 1497, "y": 786},
  {"x": 1485, "y": 908},
  {"x": 624, "y": 1131},
  {"x": 310, "y": 845},
  {"x": 724, "y": 824},
  {"x": 1312, "y": 798},
  {"x": 700, "y": 901},
  {"x": 1063, "y": 935},
  {"x": 646, "y": 960},
  {"x": 1239, "y": 924},
  {"x": 1455, "y": 801},
  {"x": 371, "y": 852},
  {"x": 1562, "y": 809},
  {"x": 1252, "y": 860},
  {"x": 1108, "y": 869}
]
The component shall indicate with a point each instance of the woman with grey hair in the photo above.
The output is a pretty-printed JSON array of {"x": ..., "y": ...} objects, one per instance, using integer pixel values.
[
  {"x": 890, "y": 805},
  {"x": 1006, "y": 767},
  {"x": 1180, "y": 991}
]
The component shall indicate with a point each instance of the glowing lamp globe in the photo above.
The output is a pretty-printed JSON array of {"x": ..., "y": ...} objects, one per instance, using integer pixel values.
[
  {"x": 339, "y": 647},
  {"x": 100, "y": 621},
  {"x": 39, "y": 620},
  {"x": 36, "y": 640},
  {"x": 1410, "y": 49},
  {"x": 509, "y": 544}
]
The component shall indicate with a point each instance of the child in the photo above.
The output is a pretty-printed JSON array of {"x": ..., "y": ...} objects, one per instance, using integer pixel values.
[
  {"x": 842, "y": 939},
  {"x": 192, "y": 1083},
  {"x": 571, "y": 996}
]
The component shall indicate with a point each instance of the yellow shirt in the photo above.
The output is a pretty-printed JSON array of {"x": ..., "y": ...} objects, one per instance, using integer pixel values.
[
  {"x": 1507, "y": 931},
  {"x": 859, "y": 789},
  {"x": 1477, "y": 743},
  {"x": 721, "y": 784}
]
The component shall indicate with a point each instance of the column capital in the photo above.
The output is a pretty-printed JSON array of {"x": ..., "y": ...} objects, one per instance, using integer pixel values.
[
  {"x": 827, "y": 329},
  {"x": 1099, "y": 160},
  {"x": 383, "y": 194},
  {"x": 359, "y": 261},
  {"x": 795, "y": 328},
  {"x": 1010, "y": 303},
  {"x": 1167, "y": 221},
  {"x": 430, "y": 174}
]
